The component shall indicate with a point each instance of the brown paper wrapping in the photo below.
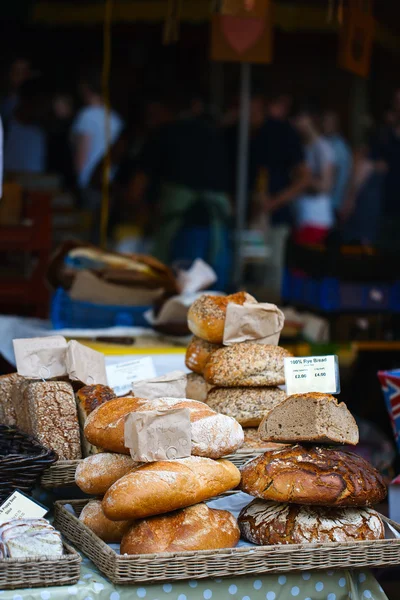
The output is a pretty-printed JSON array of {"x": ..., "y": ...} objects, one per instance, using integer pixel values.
[
  {"x": 84, "y": 364},
  {"x": 158, "y": 435},
  {"x": 41, "y": 357},
  {"x": 261, "y": 323},
  {"x": 171, "y": 385},
  {"x": 199, "y": 277}
]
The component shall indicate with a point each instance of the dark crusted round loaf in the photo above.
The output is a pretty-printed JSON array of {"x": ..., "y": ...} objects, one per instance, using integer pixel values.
[
  {"x": 313, "y": 475},
  {"x": 266, "y": 523}
]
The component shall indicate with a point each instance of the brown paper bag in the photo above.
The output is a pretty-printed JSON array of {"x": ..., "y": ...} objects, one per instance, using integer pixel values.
[
  {"x": 41, "y": 357},
  {"x": 261, "y": 323},
  {"x": 85, "y": 365},
  {"x": 171, "y": 385}
]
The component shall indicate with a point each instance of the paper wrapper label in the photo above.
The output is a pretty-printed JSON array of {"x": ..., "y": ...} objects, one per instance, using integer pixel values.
[
  {"x": 41, "y": 357},
  {"x": 261, "y": 323},
  {"x": 158, "y": 435},
  {"x": 199, "y": 277},
  {"x": 19, "y": 506},
  {"x": 85, "y": 364},
  {"x": 312, "y": 374},
  {"x": 171, "y": 385},
  {"x": 121, "y": 375}
]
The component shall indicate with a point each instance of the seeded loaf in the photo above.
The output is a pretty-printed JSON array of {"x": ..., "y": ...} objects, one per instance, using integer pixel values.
[
  {"x": 206, "y": 316},
  {"x": 313, "y": 475},
  {"x": 197, "y": 354},
  {"x": 246, "y": 365},
  {"x": 7, "y": 411},
  {"x": 163, "y": 486},
  {"x": 312, "y": 417},
  {"x": 266, "y": 523},
  {"x": 213, "y": 435},
  {"x": 93, "y": 517},
  {"x": 95, "y": 474},
  {"x": 88, "y": 398},
  {"x": 196, "y": 387},
  {"x": 194, "y": 528},
  {"x": 248, "y": 405}
]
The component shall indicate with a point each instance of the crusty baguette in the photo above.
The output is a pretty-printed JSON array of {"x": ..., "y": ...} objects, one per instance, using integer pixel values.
[
  {"x": 88, "y": 398},
  {"x": 247, "y": 364},
  {"x": 93, "y": 517},
  {"x": 213, "y": 435},
  {"x": 197, "y": 387},
  {"x": 265, "y": 523},
  {"x": 164, "y": 486},
  {"x": 95, "y": 474},
  {"x": 197, "y": 354},
  {"x": 313, "y": 475},
  {"x": 194, "y": 528},
  {"x": 312, "y": 417},
  {"x": 248, "y": 405}
]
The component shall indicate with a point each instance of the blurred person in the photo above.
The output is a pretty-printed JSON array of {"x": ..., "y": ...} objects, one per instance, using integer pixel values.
[
  {"x": 19, "y": 72},
  {"x": 342, "y": 157},
  {"x": 314, "y": 215},
  {"x": 59, "y": 149},
  {"x": 279, "y": 106}
]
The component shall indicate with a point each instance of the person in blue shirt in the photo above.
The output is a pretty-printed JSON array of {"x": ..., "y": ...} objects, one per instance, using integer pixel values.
[{"x": 342, "y": 157}]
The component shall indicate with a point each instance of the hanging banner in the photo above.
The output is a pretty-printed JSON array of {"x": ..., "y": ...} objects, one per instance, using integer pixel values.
[
  {"x": 356, "y": 38},
  {"x": 246, "y": 8}
]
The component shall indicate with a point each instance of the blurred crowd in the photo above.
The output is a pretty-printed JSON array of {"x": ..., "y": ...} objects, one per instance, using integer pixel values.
[{"x": 174, "y": 166}]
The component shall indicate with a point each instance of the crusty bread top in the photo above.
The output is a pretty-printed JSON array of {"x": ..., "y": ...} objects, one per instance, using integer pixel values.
[
  {"x": 96, "y": 473},
  {"x": 91, "y": 396}
]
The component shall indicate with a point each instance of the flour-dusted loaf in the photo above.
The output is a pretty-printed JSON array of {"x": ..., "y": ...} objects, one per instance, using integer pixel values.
[
  {"x": 312, "y": 417},
  {"x": 246, "y": 364},
  {"x": 95, "y": 474},
  {"x": 7, "y": 410},
  {"x": 111, "y": 532},
  {"x": 206, "y": 316},
  {"x": 213, "y": 435},
  {"x": 197, "y": 387},
  {"x": 266, "y": 523},
  {"x": 194, "y": 528},
  {"x": 164, "y": 486},
  {"x": 313, "y": 475},
  {"x": 197, "y": 354},
  {"x": 252, "y": 440},
  {"x": 88, "y": 398},
  {"x": 248, "y": 405}
]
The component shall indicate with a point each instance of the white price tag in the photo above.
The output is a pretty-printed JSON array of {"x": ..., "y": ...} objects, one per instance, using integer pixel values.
[
  {"x": 121, "y": 375},
  {"x": 312, "y": 374},
  {"x": 19, "y": 506}
]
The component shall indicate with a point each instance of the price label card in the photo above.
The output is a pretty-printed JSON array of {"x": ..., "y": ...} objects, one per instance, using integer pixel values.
[
  {"x": 312, "y": 374},
  {"x": 121, "y": 375},
  {"x": 19, "y": 506}
]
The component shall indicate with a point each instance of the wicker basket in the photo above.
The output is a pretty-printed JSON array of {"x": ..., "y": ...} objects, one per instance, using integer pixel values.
[
  {"x": 40, "y": 572},
  {"x": 22, "y": 461},
  {"x": 219, "y": 563}
]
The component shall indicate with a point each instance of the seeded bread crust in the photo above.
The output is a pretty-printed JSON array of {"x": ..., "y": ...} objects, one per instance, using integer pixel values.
[{"x": 248, "y": 405}]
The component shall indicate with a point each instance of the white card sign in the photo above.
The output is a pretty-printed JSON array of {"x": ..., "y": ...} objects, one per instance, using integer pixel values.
[
  {"x": 19, "y": 506},
  {"x": 312, "y": 374},
  {"x": 121, "y": 375}
]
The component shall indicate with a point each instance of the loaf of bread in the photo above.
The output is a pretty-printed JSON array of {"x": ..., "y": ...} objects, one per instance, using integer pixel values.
[
  {"x": 197, "y": 354},
  {"x": 313, "y": 475},
  {"x": 312, "y": 417},
  {"x": 164, "y": 486},
  {"x": 247, "y": 364},
  {"x": 206, "y": 316},
  {"x": 48, "y": 412},
  {"x": 95, "y": 474},
  {"x": 248, "y": 405},
  {"x": 213, "y": 435},
  {"x": 194, "y": 528},
  {"x": 93, "y": 517},
  {"x": 88, "y": 398},
  {"x": 197, "y": 387},
  {"x": 266, "y": 523},
  {"x": 7, "y": 410},
  {"x": 253, "y": 441}
]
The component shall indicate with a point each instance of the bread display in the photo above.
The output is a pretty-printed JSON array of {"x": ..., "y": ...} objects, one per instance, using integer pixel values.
[
  {"x": 164, "y": 486},
  {"x": 197, "y": 354},
  {"x": 252, "y": 440},
  {"x": 95, "y": 474},
  {"x": 194, "y": 528},
  {"x": 197, "y": 387},
  {"x": 206, "y": 316},
  {"x": 111, "y": 532},
  {"x": 247, "y": 364},
  {"x": 88, "y": 398},
  {"x": 313, "y": 475},
  {"x": 213, "y": 435},
  {"x": 312, "y": 417},
  {"x": 248, "y": 405},
  {"x": 267, "y": 523},
  {"x": 7, "y": 411},
  {"x": 24, "y": 538}
]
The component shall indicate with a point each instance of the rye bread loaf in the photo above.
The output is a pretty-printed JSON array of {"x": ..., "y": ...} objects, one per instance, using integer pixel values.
[
  {"x": 7, "y": 411},
  {"x": 197, "y": 354},
  {"x": 248, "y": 405},
  {"x": 163, "y": 486},
  {"x": 206, "y": 316},
  {"x": 197, "y": 387},
  {"x": 247, "y": 364},
  {"x": 213, "y": 435},
  {"x": 313, "y": 475},
  {"x": 312, "y": 417},
  {"x": 95, "y": 474},
  {"x": 266, "y": 523},
  {"x": 93, "y": 517},
  {"x": 194, "y": 528},
  {"x": 88, "y": 398}
]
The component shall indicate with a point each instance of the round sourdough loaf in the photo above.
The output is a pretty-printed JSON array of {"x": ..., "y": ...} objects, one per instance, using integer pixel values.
[
  {"x": 246, "y": 364},
  {"x": 206, "y": 316},
  {"x": 95, "y": 474},
  {"x": 93, "y": 517},
  {"x": 194, "y": 528},
  {"x": 213, "y": 435},
  {"x": 248, "y": 405},
  {"x": 313, "y": 475},
  {"x": 268, "y": 523},
  {"x": 197, "y": 354}
]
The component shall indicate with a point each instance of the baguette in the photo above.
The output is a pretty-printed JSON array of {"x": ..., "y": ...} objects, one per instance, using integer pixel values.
[{"x": 95, "y": 474}]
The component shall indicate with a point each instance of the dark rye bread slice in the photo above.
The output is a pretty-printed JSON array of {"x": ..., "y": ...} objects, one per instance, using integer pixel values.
[{"x": 312, "y": 417}]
